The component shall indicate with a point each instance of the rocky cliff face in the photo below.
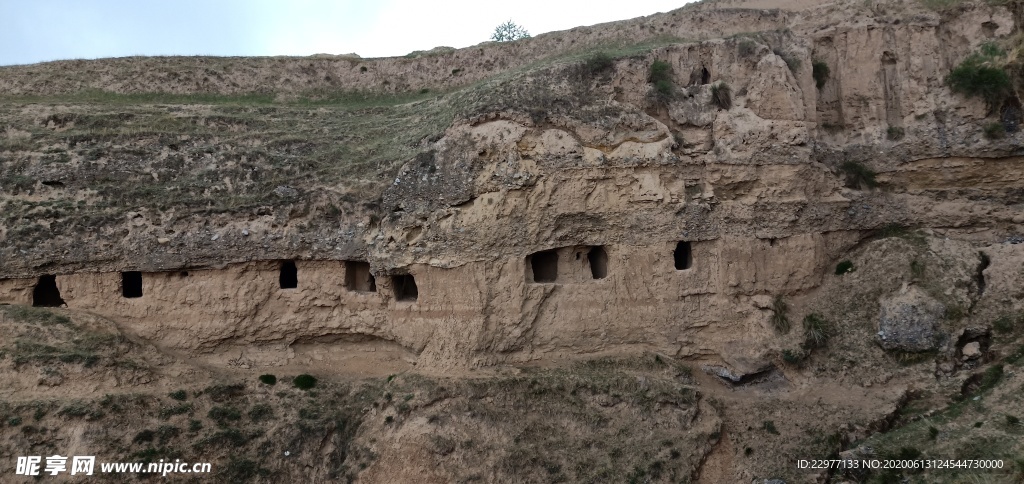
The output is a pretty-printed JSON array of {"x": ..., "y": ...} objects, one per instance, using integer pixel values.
[
  {"x": 573, "y": 157},
  {"x": 662, "y": 184}
]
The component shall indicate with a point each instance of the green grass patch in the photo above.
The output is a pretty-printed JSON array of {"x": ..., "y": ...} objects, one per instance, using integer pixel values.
[
  {"x": 1016, "y": 357},
  {"x": 994, "y": 131},
  {"x": 31, "y": 315},
  {"x": 165, "y": 433},
  {"x": 84, "y": 353},
  {"x": 304, "y": 382},
  {"x": 817, "y": 331},
  {"x": 143, "y": 436},
  {"x": 911, "y": 358},
  {"x": 229, "y": 438},
  {"x": 261, "y": 412},
  {"x": 659, "y": 71},
  {"x": 243, "y": 470},
  {"x": 598, "y": 63},
  {"x": 660, "y": 76},
  {"x": 858, "y": 175},
  {"x": 982, "y": 75},
  {"x": 316, "y": 97},
  {"x": 224, "y": 415},
  {"x": 791, "y": 60},
  {"x": 75, "y": 408},
  {"x": 780, "y": 319},
  {"x": 746, "y": 48},
  {"x": 223, "y": 393},
  {"x": 173, "y": 410},
  {"x": 794, "y": 357},
  {"x": 721, "y": 95},
  {"x": 990, "y": 378}
]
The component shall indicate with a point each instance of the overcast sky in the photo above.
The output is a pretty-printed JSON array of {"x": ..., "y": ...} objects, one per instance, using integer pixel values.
[{"x": 44, "y": 30}]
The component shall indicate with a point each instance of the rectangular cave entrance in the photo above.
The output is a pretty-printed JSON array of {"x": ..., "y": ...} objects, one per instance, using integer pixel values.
[
  {"x": 131, "y": 284},
  {"x": 683, "y": 256},
  {"x": 544, "y": 265},
  {"x": 289, "y": 278},
  {"x": 598, "y": 260},
  {"x": 404, "y": 286},
  {"x": 46, "y": 294},
  {"x": 358, "y": 277}
]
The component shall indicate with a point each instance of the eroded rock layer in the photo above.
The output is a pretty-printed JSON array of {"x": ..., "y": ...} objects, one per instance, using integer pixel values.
[{"x": 548, "y": 218}]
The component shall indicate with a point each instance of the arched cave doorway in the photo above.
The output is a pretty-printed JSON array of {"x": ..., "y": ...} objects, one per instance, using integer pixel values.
[
  {"x": 358, "y": 277},
  {"x": 131, "y": 284},
  {"x": 598, "y": 259},
  {"x": 683, "y": 256},
  {"x": 544, "y": 265},
  {"x": 289, "y": 278},
  {"x": 405, "y": 287},
  {"x": 46, "y": 294}
]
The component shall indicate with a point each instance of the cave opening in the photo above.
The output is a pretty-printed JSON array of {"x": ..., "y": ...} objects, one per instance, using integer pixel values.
[
  {"x": 979, "y": 277},
  {"x": 683, "y": 256},
  {"x": 598, "y": 259},
  {"x": 544, "y": 265},
  {"x": 358, "y": 277},
  {"x": 405, "y": 287},
  {"x": 705, "y": 76},
  {"x": 289, "y": 278},
  {"x": 131, "y": 284},
  {"x": 46, "y": 294}
]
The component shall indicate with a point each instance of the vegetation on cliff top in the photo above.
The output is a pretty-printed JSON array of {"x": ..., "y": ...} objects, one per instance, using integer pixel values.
[{"x": 982, "y": 75}]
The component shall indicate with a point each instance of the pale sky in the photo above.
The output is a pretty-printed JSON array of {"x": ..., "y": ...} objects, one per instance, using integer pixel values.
[{"x": 44, "y": 30}]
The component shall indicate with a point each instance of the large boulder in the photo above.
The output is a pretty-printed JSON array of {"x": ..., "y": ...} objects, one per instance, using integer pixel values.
[{"x": 909, "y": 321}]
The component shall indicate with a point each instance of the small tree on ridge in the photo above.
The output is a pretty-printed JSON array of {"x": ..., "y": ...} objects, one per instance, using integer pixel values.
[{"x": 509, "y": 31}]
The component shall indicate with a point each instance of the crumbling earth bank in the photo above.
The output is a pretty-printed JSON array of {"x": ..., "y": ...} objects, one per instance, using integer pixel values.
[{"x": 796, "y": 202}]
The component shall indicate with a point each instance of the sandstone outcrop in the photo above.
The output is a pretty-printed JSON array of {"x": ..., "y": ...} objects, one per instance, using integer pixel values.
[{"x": 909, "y": 321}]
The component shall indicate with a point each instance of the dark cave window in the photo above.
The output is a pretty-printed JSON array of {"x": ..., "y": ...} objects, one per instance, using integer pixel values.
[
  {"x": 544, "y": 265},
  {"x": 131, "y": 284},
  {"x": 598, "y": 259},
  {"x": 289, "y": 277},
  {"x": 405, "y": 287},
  {"x": 358, "y": 277},
  {"x": 46, "y": 294},
  {"x": 683, "y": 256}
]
